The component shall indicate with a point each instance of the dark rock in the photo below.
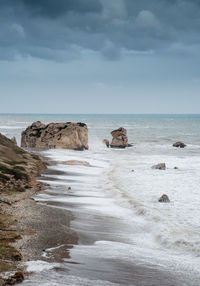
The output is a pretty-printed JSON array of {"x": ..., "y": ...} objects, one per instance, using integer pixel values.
[
  {"x": 164, "y": 199},
  {"x": 160, "y": 166},
  {"x": 18, "y": 277},
  {"x": 176, "y": 168},
  {"x": 106, "y": 141},
  {"x": 179, "y": 145}
]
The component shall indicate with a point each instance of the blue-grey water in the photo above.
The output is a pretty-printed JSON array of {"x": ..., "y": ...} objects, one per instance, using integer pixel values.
[{"x": 133, "y": 239}]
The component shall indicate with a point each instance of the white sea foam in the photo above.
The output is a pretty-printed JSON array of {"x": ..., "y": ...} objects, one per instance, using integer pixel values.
[
  {"x": 39, "y": 266},
  {"x": 57, "y": 279}
]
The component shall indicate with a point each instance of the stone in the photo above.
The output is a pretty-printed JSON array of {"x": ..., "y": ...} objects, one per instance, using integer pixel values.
[
  {"x": 56, "y": 135},
  {"x": 18, "y": 277},
  {"x": 160, "y": 166},
  {"x": 75, "y": 163},
  {"x": 179, "y": 145},
  {"x": 69, "y": 188},
  {"x": 164, "y": 199},
  {"x": 13, "y": 139},
  {"x": 175, "y": 168},
  {"x": 106, "y": 142},
  {"x": 120, "y": 139}
]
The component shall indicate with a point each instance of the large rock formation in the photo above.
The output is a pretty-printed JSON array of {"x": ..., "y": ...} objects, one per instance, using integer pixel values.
[
  {"x": 56, "y": 135},
  {"x": 120, "y": 139}
]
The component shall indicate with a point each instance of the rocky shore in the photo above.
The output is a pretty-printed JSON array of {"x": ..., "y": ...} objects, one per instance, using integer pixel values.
[{"x": 18, "y": 172}]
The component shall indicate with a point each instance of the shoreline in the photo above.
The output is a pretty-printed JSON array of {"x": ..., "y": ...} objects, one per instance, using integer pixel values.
[
  {"x": 34, "y": 227},
  {"x": 48, "y": 227}
]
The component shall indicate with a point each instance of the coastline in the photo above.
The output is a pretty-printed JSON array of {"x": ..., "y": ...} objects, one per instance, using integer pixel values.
[
  {"x": 48, "y": 227},
  {"x": 37, "y": 228}
]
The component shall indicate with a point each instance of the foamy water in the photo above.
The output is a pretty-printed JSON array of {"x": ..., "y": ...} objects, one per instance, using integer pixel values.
[{"x": 121, "y": 190}]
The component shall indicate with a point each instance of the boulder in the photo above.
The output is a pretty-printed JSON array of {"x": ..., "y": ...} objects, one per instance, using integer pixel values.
[
  {"x": 120, "y": 139},
  {"x": 56, "y": 135},
  {"x": 179, "y": 145},
  {"x": 106, "y": 142},
  {"x": 160, "y": 166},
  {"x": 164, "y": 199}
]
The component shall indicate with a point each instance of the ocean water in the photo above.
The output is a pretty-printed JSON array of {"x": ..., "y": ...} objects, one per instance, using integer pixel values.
[{"x": 125, "y": 236}]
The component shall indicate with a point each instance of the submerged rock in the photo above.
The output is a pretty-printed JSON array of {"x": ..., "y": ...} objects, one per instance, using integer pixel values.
[
  {"x": 106, "y": 142},
  {"x": 164, "y": 199},
  {"x": 179, "y": 145},
  {"x": 175, "y": 168},
  {"x": 56, "y": 135},
  {"x": 75, "y": 163},
  {"x": 160, "y": 166},
  {"x": 120, "y": 139}
]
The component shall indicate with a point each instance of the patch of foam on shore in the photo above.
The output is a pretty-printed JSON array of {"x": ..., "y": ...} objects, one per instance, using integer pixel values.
[
  {"x": 39, "y": 266},
  {"x": 57, "y": 279}
]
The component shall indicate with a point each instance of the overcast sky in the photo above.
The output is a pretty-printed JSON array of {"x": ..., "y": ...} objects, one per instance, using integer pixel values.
[{"x": 100, "y": 56}]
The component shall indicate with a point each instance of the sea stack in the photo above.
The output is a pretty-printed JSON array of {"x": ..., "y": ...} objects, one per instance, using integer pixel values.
[
  {"x": 56, "y": 135},
  {"x": 120, "y": 139}
]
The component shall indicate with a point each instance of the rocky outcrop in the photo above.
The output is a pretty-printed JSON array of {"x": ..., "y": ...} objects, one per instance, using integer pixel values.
[
  {"x": 120, "y": 139},
  {"x": 18, "y": 168},
  {"x": 164, "y": 199},
  {"x": 179, "y": 145},
  {"x": 56, "y": 135},
  {"x": 18, "y": 172},
  {"x": 106, "y": 142},
  {"x": 160, "y": 166}
]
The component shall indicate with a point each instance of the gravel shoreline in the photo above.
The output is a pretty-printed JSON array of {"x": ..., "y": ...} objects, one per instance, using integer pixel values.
[{"x": 37, "y": 227}]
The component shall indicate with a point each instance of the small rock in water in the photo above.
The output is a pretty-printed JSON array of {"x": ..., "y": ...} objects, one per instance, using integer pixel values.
[
  {"x": 43, "y": 249},
  {"x": 164, "y": 199},
  {"x": 132, "y": 170},
  {"x": 176, "y": 168},
  {"x": 161, "y": 166},
  {"x": 179, "y": 144},
  {"x": 69, "y": 188},
  {"x": 106, "y": 141}
]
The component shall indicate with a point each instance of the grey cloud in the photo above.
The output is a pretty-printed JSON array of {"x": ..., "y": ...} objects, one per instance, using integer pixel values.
[{"x": 59, "y": 30}]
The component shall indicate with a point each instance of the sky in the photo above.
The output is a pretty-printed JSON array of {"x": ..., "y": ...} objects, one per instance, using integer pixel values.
[{"x": 100, "y": 56}]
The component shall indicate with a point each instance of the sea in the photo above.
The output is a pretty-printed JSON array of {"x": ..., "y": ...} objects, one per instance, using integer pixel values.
[{"x": 126, "y": 237}]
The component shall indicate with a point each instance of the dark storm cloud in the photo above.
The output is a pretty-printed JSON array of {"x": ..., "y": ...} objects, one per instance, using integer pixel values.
[{"x": 62, "y": 29}]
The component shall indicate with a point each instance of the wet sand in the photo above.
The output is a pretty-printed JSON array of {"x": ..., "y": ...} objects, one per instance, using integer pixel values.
[{"x": 43, "y": 227}]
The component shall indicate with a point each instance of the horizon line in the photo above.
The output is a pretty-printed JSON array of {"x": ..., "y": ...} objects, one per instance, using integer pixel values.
[{"x": 37, "y": 113}]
